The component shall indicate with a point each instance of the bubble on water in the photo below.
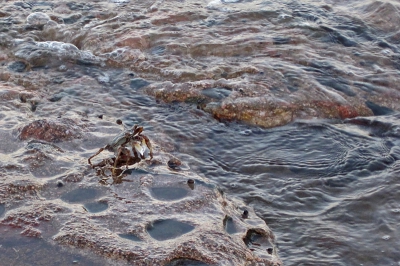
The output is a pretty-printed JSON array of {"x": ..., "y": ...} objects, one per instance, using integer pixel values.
[{"x": 386, "y": 237}]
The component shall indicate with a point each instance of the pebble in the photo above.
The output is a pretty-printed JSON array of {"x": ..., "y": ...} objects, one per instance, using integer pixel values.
[{"x": 174, "y": 163}]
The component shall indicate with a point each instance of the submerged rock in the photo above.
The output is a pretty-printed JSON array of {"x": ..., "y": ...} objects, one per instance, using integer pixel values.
[
  {"x": 228, "y": 101},
  {"x": 50, "y": 130}
]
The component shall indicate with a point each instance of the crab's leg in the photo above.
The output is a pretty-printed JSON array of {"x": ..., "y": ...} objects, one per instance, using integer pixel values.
[
  {"x": 137, "y": 131},
  {"x": 117, "y": 160},
  {"x": 97, "y": 153},
  {"x": 148, "y": 144}
]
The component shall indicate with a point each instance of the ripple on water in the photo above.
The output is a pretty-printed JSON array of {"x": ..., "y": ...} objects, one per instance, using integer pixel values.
[{"x": 168, "y": 229}]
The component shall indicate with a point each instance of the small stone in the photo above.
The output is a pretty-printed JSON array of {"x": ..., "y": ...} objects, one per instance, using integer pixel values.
[
  {"x": 174, "y": 163},
  {"x": 190, "y": 183}
]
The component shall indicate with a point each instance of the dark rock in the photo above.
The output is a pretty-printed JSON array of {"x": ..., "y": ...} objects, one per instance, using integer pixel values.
[{"x": 174, "y": 163}]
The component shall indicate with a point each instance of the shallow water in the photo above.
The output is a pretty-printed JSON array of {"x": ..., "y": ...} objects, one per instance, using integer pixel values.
[{"x": 328, "y": 188}]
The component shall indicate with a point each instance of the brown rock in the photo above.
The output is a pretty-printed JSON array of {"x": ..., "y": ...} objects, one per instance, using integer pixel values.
[{"x": 50, "y": 130}]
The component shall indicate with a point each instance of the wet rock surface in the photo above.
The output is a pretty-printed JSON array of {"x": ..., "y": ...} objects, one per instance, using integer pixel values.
[
  {"x": 111, "y": 220},
  {"x": 51, "y": 131},
  {"x": 159, "y": 213},
  {"x": 136, "y": 223}
]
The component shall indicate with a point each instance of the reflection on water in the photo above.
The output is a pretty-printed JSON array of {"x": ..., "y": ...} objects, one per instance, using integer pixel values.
[{"x": 327, "y": 189}]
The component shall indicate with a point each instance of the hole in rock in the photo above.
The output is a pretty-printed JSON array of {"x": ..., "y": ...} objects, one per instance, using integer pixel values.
[
  {"x": 80, "y": 195},
  {"x": 48, "y": 168},
  {"x": 229, "y": 225},
  {"x": 130, "y": 237},
  {"x": 186, "y": 262},
  {"x": 168, "y": 193},
  {"x": 94, "y": 207},
  {"x": 258, "y": 243},
  {"x": 168, "y": 229}
]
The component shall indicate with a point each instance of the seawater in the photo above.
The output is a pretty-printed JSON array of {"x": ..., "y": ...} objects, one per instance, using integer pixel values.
[{"x": 328, "y": 188}]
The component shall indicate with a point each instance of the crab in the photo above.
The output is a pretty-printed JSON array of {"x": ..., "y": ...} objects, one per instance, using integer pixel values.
[{"x": 129, "y": 147}]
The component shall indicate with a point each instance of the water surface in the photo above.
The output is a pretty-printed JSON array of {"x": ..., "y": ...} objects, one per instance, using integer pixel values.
[{"x": 327, "y": 187}]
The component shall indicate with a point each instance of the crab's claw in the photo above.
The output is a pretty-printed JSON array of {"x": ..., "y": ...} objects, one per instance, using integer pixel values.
[
  {"x": 137, "y": 130},
  {"x": 140, "y": 148}
]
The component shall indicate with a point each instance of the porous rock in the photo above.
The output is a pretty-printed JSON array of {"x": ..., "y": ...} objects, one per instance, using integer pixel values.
[
  {"x": 50, "y": 130},
  {"x": 158, "y": 218},
  {"x": 155, "y": 216}
]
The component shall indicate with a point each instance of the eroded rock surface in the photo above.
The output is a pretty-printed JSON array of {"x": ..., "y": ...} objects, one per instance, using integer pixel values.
[
  {"x": 148, "y": 231},
  {"x": 51, "y": 131},
  {"x": 160, "y": 213},
  {"x": 155, "y": 217}
]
